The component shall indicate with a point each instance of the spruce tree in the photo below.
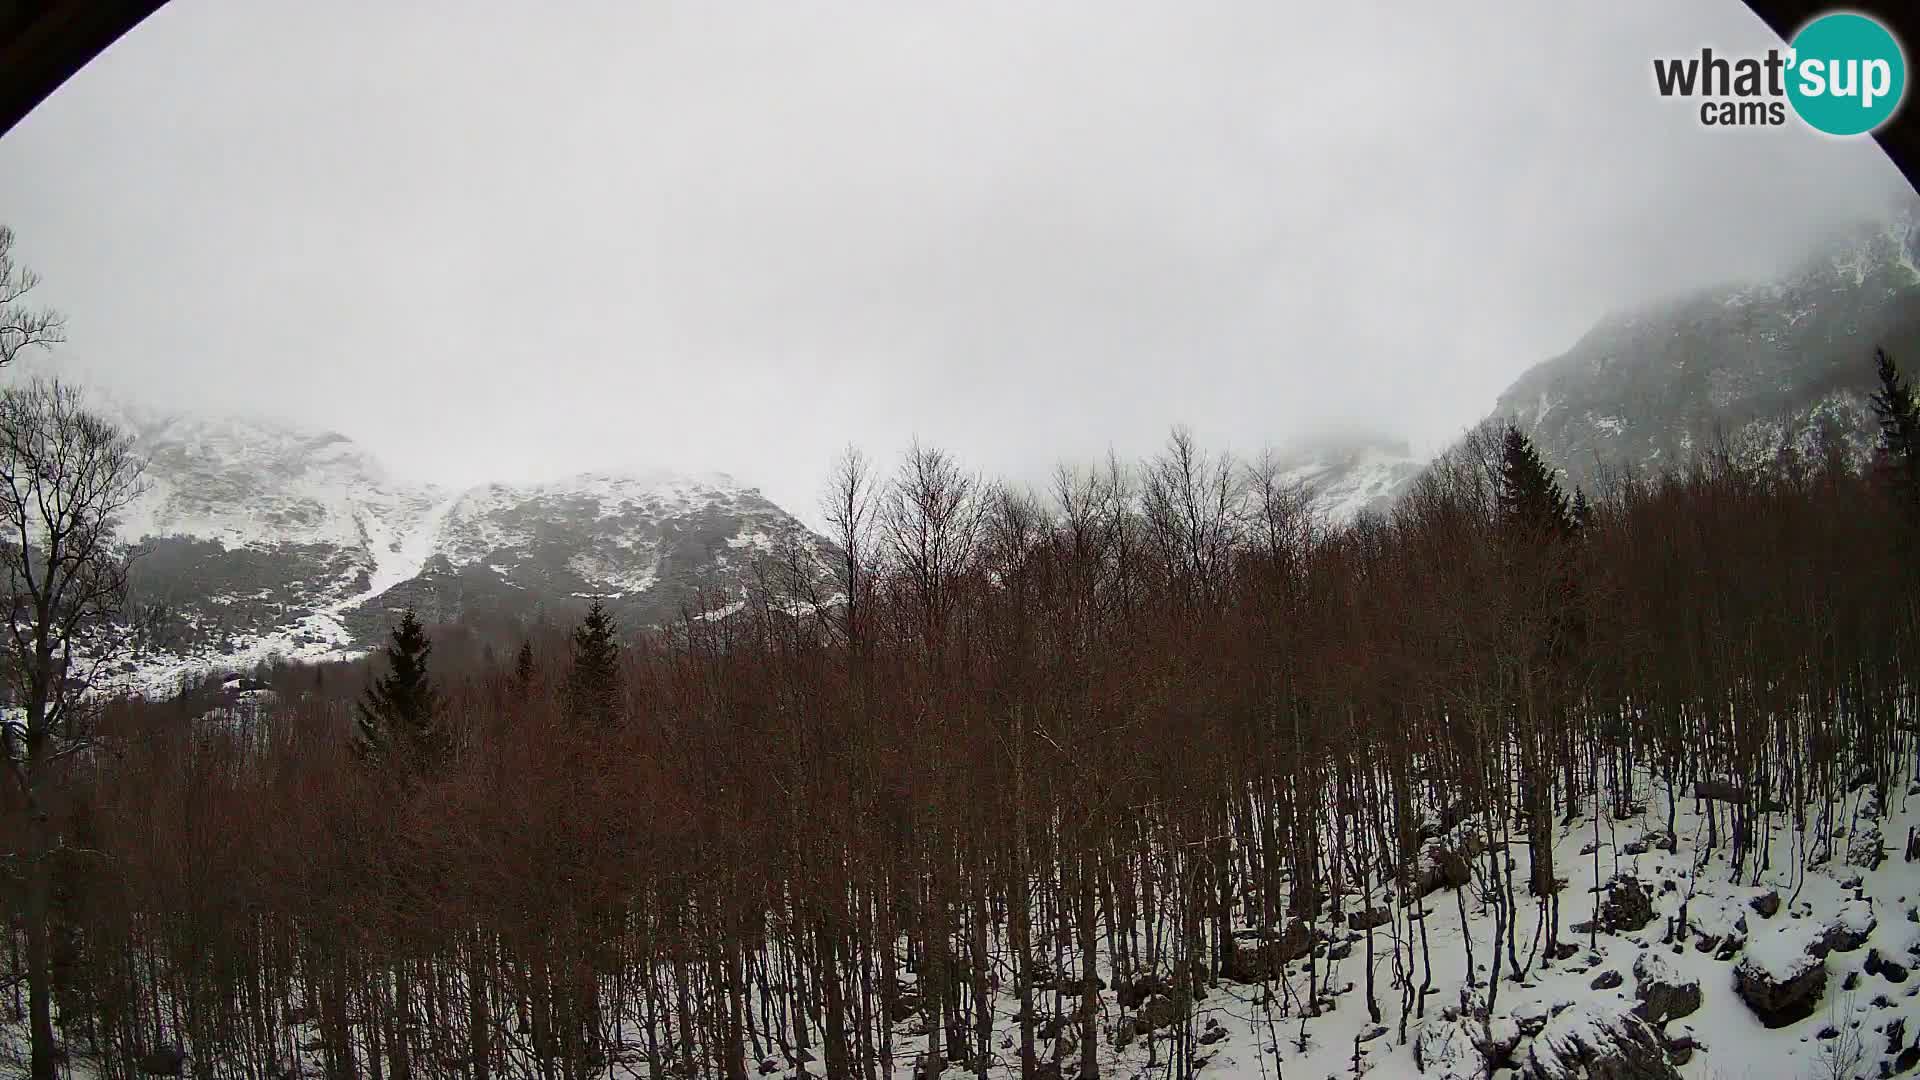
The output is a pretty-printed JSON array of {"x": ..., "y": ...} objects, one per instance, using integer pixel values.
[
  {"x": 593, "y": 686},
  {"x": 523, "y": 665},
  {"x": 1899, "y": 417},
  {"x": 1581, "y": 513},
  {"x": 1531, "y": 502},
  {"x": 399, "y": 717}
]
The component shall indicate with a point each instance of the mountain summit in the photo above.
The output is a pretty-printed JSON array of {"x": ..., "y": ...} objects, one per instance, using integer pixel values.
[{"x": 264, "y": 538}]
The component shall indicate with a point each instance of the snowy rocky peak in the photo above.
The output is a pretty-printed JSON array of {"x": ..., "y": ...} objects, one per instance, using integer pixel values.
[
  {"x": 254, "y": 483},
  {"x": 647, "y": 543},
  {"x": 262, "y": 538}
]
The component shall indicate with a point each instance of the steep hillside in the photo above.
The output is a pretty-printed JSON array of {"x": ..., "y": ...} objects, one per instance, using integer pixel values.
[
  {"x": 259, "y": 537},
  {"x": 1763, "y": 366}
]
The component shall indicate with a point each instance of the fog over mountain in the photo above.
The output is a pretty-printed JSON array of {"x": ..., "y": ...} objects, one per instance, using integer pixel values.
[{"x": 518, "y": 245}]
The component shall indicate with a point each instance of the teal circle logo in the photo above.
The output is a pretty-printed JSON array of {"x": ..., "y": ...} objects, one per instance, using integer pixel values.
[{"x": 1847, "y": 74}]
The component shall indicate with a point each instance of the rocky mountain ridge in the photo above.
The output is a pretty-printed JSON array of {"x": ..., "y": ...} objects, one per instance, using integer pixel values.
[{"x": 261, "y": 538}]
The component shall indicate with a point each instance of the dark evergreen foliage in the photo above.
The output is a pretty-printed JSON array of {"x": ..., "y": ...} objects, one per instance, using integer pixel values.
[
  {"x": 523, "y": 664},
  {"x": 593, "y": 685},
  {"x": 1531, "y": 501},
  {"x": 399, "y": 717},
  {"x": 1581, "y": 513},
  {"x": 1899, "y": 416}
]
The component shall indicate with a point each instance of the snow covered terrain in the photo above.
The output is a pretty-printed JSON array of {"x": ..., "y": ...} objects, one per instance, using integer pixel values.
[
  {"x": 1642, "y": 999},
  {"x": 1673, "y": 967},
  {"x": 1628, "y": 1001}
]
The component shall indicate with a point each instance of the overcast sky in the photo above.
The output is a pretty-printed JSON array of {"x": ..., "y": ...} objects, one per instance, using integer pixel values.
[{"x": 510, "y": 240}]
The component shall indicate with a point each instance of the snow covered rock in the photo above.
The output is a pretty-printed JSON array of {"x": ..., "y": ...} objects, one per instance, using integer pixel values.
[
  {"x": 1850, "y": 927},
  {"x": 1782, "y": 973},
  {"x": 1161, "y": 1010},
  {"x": 1682, "y": 1041},
  {"x": 1133, "y": 993},
  {"x": 1446, "y": 1049},
  {"x": 1441, "y": 867},
  {"x": 1627, "y": 906},
  {"x": 1257, "y": 955},
  {"x": 1462, "y": 1044},
  {"x": 1664, "y": 993},
  {"x": 1368, "y": 919},
  {"x": 1889, "y": 969},
  {"x": 1866, "y": 848},
  {"x": 1596, "y": 1042}
]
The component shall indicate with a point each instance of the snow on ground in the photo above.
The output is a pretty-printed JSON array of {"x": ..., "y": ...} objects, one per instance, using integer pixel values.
[
  {"x": 1257, "y": 1036},
  {"x": 1553, "y": 1021},
  {"x": 1561, "y": 1014}
]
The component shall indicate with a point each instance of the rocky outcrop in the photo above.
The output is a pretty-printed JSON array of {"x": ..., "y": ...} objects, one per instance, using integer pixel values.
[
  {"x": 1663, "y": 992},
  {"x": 1783, "y": 973},
  {"x": 1591, "y": 1042},
  {"x": 1627, "y": 907}
]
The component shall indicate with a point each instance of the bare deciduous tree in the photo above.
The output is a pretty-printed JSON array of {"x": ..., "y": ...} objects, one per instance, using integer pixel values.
[
  {"x": 65, "y": 477},
  {"x": 851, "y": 504},
  {"x": 22, "y": 327}
]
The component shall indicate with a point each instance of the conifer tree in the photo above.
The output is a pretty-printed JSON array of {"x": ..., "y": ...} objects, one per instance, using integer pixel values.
[
  {"x": 399, "y": 717},
  {"x": 1582, "y": 511},
  {"x": 1899, "y": 417},
  {"x": 1531, "y": 501},
  {"x": 593, "y": 686},
  {"x": 523, "y": 665}
]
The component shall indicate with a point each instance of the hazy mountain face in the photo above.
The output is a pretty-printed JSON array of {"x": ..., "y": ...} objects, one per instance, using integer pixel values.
[
  {"x": 1348, "y": 477},
  {"x": 261, "y": 538},
  {"x": 1760, "y": 368},
  {"x": 1785, "y": 363}
]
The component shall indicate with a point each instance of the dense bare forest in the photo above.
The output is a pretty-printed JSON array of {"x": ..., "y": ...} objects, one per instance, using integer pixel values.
[{"x": 1089, "y": 754}]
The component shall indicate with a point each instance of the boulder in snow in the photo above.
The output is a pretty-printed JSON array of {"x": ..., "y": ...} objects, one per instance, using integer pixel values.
[
  {"x": 1461, "y": 1044},
  {"x": 1368, "y": 919},
  {"x": 1664, "y": 993},
  {"x": 1161, "y": 1010},
  {"x": 1597, "y": 1042},
  {"x": 1783, "y": 973},
  {"x": 1891, "y": 970},
  {"x": 1445, "y": 1050},
  {"x": 1850, "y": 927},
  {"x": 1627, "y": 906}
]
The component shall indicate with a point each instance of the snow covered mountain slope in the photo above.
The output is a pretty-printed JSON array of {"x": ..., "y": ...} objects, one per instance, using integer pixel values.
[
  {"x": 650, "y": 545},
  {"x": 261, "y": 537},
  {"x": 1764, "y": 366},
  {"x": 1345, "y": 478}
]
